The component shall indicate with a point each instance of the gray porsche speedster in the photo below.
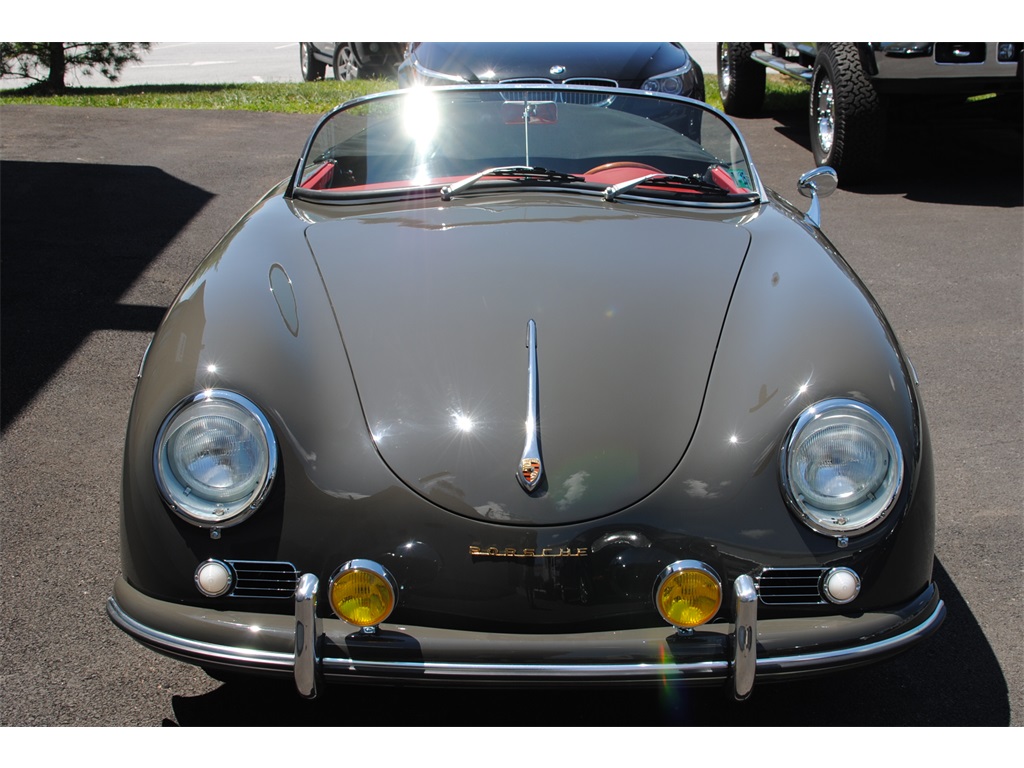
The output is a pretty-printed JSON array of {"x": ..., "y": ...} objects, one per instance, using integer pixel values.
[{"x": 510, "y": 386}]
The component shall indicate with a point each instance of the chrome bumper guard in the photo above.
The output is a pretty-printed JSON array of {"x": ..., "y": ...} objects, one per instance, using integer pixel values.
[
  {"x": 744, "y": 659},
  {"x": 307, "y": 637}
]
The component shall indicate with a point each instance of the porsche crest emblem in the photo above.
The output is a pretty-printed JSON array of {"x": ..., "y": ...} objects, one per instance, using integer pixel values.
[{"x": 529, "y": 473}]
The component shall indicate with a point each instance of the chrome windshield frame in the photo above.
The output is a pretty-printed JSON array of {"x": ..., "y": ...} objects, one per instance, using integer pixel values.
[{"x": 504, "y": 88}]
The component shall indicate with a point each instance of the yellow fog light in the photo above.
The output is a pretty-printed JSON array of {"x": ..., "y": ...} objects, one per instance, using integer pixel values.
[
  {"x": 363, "y": 593},
  {"x": 688, "y": 594}
]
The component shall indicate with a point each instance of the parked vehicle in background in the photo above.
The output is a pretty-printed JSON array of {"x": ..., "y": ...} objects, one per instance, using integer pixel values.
[
  {"x": 854, "y": 87},
  {"x": 659, "y": 67},
  {"x": 349, "y": 60}
]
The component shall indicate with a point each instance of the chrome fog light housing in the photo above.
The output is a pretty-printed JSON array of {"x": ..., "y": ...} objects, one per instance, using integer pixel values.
[
  {"x": 363, "y": 593},
  {"x": 215, "y": 458},
  {"x": 841, "y": 467},
  {"x": 688, "y": 593}
]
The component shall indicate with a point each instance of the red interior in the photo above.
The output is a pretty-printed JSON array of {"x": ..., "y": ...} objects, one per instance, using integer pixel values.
[{"x": 602, "y": 175}]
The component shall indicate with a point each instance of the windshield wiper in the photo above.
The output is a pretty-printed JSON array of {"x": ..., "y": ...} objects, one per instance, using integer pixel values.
[
  {"x": 671, "y": 180},
  {"x": 521, "y": 171}
]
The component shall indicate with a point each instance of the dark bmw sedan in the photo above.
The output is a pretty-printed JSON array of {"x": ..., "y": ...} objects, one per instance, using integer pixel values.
[{"x": 660, "y": 67}]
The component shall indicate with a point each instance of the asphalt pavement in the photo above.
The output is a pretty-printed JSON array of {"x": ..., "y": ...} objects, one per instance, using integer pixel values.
[{"x": 104, "y": 213}]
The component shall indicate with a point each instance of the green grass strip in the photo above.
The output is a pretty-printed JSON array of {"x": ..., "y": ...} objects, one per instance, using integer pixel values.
[{"x": 300, "y": 98}]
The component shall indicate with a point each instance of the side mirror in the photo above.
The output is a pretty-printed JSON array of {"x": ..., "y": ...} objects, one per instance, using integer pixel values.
[{"x": 816, "y": 184}]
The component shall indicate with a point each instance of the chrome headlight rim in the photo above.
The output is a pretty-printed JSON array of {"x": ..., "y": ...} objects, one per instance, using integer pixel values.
[
  {"x": 866, "y": 513},
  {"x": 182, "y": 499}
]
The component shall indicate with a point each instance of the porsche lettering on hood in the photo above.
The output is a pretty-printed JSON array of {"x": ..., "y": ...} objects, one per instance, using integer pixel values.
[{"x": 433, "y": 304}]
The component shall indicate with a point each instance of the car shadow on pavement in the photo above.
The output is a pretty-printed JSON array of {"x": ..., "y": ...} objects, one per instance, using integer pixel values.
[
  {"x": 952, "y": 678},
  {"x": 74, "y": 238},
  {"x": 968, "y": 155}
]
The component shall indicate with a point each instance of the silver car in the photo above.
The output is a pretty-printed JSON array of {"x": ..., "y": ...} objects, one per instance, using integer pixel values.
[{"x": 526, "y": 384}]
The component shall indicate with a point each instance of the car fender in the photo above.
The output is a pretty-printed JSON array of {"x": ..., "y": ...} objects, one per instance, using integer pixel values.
[
  {"x": 290, "y": 356},
  {"x": 801, "y": 328}
]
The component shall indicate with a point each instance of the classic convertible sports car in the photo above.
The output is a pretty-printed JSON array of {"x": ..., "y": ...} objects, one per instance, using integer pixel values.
[{"x": 510, "y": 386}]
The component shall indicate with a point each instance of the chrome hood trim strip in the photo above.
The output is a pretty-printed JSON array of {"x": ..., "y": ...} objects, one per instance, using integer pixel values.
[{"x": 531, "y": 469}]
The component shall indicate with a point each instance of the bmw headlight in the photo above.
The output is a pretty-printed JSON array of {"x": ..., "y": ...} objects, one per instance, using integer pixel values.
[
  {"x": 668, "y": 82},
  {"x": 215, "y": 458},
  {"x": 842, "y": 468}
]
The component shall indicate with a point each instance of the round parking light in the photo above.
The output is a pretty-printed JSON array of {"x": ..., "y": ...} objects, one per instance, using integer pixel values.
[
  {"x": 214, "y": 578},
  {"x": 840, "y": 585}
]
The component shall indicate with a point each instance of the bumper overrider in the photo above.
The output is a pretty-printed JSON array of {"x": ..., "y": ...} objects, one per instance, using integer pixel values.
[{"x": 316, "y": 650}]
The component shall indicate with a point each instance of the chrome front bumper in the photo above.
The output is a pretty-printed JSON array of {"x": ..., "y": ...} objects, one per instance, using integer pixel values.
[{"x": 315, "y": 650}]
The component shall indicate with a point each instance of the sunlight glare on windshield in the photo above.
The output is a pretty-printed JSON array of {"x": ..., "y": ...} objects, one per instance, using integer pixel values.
[
  {"x": 420, "y": 114},
  {"x": 420, "y": 120}
]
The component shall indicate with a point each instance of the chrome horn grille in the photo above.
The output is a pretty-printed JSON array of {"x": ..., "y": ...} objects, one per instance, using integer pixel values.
[
  {"x": 790, "y": 586},
  {"x": 257, "y": 578}
]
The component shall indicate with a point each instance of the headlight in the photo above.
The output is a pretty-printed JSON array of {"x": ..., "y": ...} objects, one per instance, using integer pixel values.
[
  {"x": 842, "y": 468},
  {"x": 215, "y": 458},
  {"x": 668, "y": 82},
  {"x": 433, "y": 74}
]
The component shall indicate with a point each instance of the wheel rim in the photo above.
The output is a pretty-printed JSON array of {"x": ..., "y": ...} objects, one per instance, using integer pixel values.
[
  {"x": 723, "y": 66},
  {"x": 348, "y": 68},
  {"x": 824, "y": 112},
  {"x": 304, "y": 59}
]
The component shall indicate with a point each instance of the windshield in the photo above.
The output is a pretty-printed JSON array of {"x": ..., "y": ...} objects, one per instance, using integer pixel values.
[{"x": 473, "y": 139}]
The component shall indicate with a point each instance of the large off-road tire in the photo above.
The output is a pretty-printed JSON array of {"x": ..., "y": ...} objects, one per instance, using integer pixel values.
[
  {"x": 311, "y": 67},
  {"x": 346, "y": 62},
  {"x": 740, "y": 79},
  {"x": 846, "y": 115}
]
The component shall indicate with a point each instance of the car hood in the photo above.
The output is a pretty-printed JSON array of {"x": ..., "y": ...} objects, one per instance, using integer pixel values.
[
  {"x": 626, "y": 63},
  {"x": 434, "y": 306}
]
